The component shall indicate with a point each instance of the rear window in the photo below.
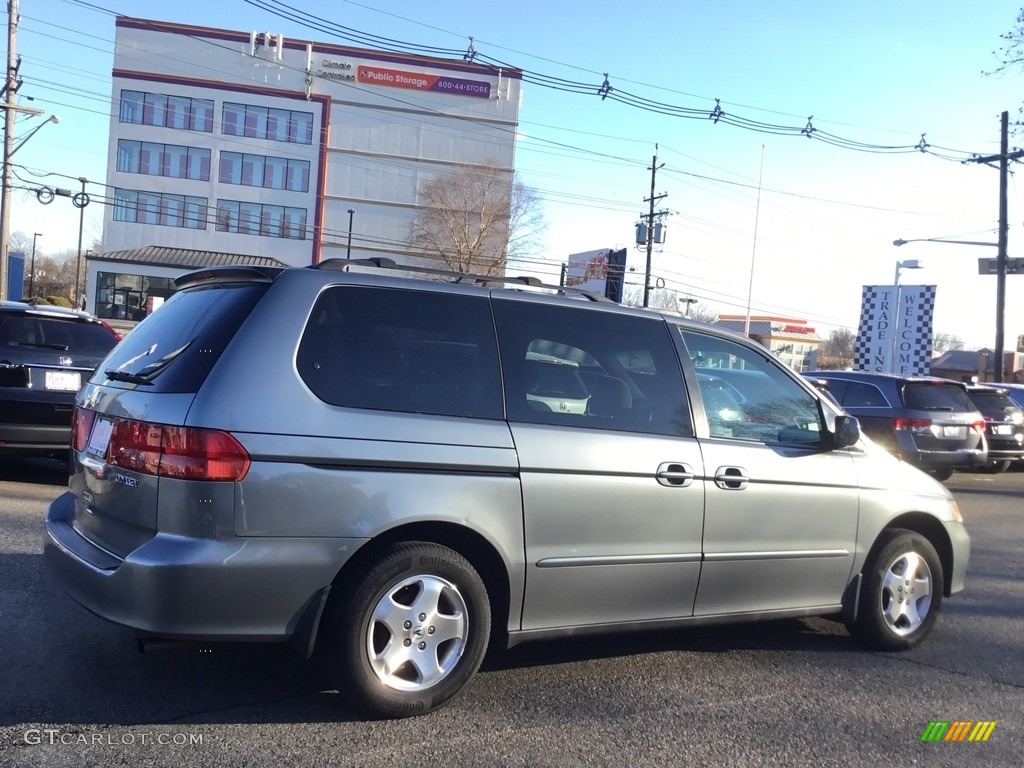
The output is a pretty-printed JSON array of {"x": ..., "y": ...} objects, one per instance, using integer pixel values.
[
  {"x": 931, "y": 396},
  {"x": 174, "y": 348},
  {"x": 403, "y": 350},
  {"x": 38, "y": 332},
  {"x": 993, "y": 401}
]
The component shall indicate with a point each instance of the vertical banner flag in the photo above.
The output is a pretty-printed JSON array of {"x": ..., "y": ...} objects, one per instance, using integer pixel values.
[{"x": 895, "y": 334}]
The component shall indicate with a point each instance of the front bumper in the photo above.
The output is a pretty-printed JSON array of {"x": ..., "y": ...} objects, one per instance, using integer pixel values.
[
  {"x": 960, "y": 543},
  {"x": 179, "y": 587}
]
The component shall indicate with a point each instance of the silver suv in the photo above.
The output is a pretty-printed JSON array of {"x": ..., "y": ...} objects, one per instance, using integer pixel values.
[{"x": 368, "y": 465}]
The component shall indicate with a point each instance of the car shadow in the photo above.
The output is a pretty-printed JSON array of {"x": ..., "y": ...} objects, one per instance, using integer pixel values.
[{"x": 38, "y": 471}]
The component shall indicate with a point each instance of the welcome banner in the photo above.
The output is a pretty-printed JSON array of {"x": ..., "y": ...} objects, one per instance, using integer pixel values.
[{"x": 895, "y": 333}]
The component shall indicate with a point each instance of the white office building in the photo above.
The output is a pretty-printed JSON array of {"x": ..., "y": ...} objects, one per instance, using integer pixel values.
[{"x": 228, "y": 147}]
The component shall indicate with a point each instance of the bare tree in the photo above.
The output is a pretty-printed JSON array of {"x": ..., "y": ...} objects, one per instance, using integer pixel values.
[
  {"x": 667, "y": 299},
  {"x": 477, "y": 220},
  {"x": 943, "y": 342},
  {"x": 1011, "y": 54},
  {"x": 836, "y": 352}
]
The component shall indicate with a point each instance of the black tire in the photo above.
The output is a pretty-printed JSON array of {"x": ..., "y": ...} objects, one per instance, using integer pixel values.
[
  {"x": 997, "y": 466},
  {"x": 901, "y": 592},
  {"x": 410, "y": 633},
  {"x": 941, "y": 474}
]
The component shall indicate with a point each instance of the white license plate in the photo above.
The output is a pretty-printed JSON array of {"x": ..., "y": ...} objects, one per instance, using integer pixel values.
[
  {"x": 953, "y": 431},
  {"x": 1002, "y": 429},
  {"x": 99, "y": 438},
  {"x": 62, "y": 381}
]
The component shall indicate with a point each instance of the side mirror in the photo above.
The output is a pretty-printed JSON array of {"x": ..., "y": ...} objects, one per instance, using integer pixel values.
[{"x": 847, "y": 431}]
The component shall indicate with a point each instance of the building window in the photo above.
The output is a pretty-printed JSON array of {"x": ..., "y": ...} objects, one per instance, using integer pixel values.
[
  {"x": 163, "y": 160},
  {"x": 181, "y": 112},
  {"x": 260, "y": 171},
  {"x": 129, "y": 297},
  {"x": 183, "y": 211},
  {"x": 259, "y": 219},
  {"x": 266, "y": 123}
]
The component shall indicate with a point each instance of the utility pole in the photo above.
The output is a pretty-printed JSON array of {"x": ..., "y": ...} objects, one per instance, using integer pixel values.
[
  {"x": 650, "y": 224},
  {"x": 1004, "y": 157},
  {"x": 10, "y": 86}
]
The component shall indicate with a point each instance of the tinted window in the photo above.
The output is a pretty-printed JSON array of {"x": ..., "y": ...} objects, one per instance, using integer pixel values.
[
  {"x": 859, "y": 394},
  {"x": 992, "y": 401},
  {"x": 402, "y": 350},
  {"x": 584, "y": 368},
  {"x": 937, "y": 396},
  {"x": 34, "y": 331},
  {"x": 747, "y": 396},
  {"x": 175, "y": 347}
]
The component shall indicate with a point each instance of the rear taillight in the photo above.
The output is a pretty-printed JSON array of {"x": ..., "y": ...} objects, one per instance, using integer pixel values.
[
  {"x": 188, "y": 453},
  {"x": 902, "y": 422},
  {"x": 979, "y": 426},
  {"x": 81, "y": 427}
]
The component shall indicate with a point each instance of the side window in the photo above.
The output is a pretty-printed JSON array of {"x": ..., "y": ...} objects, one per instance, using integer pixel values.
[
  {"x": 747, "y": 396},
  {"x": 582, "y": 367},
  {"x": 859, "y": 394},
  {"x": 402, "y": 350}
]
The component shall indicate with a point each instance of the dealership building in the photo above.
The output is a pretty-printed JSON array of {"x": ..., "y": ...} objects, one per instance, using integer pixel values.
[{"x": 242, "y": 147}]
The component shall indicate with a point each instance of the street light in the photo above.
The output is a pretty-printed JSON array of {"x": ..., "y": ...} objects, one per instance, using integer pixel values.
[
  {"x": 32, "y": 268},
  {"x": 1000, "y": 287},
  {"x": 900, "y": 266},
  {"x": 688, "y": 302},
  {"x": 348, "y": 248}
]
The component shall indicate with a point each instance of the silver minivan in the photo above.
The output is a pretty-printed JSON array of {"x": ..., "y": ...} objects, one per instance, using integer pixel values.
[{"x": 365, "y": 464}]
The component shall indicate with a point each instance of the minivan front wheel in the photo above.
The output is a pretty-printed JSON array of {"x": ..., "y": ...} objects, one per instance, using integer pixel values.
[
  {"x": 902, "y": 592},
  {"x": 411, "y": 632}
]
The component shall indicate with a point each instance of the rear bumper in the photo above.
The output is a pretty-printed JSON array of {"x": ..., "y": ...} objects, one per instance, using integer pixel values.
[
  {"x": 963, "y": 458},
  {"x": 174, "y": 586}
]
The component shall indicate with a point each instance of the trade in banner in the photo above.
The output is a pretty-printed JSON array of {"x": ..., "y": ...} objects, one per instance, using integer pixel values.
[{"x": 895, "y": 334}]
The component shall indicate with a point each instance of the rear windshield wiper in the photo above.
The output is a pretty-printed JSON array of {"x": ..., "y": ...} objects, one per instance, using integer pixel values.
[
  {"x": 132, "y": 378},
  {"x": 58, "y": 347}
]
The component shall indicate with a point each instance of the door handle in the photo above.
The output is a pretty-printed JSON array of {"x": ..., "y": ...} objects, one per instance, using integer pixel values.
[
  {"x": 731, "y": 478},
  {"x": 675, "y": 475}
]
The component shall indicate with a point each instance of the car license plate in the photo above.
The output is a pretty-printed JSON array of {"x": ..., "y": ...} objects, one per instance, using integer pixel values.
[
  {"x": 1002, "y": 429},
  {"x": 62, "y": 381},
  {"x": 953, "y": 431},
  {"x": 100, "y": 438}
]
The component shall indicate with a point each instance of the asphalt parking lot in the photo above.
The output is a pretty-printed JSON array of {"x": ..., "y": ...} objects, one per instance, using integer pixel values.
[{"x": 77, "y": 691}]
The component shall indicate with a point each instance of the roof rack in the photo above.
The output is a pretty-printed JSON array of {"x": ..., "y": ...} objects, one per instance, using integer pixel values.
[{"x": 383, "y": 262}]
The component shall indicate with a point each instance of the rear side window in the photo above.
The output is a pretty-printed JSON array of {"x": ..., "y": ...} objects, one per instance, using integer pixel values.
[
  {"x": 584, "y": 368},
  {"x": 937, "y": 396},
  {"x": 861, "y": 395},
  {"x": 402, "y": 350},
  {"x": 174, "y": 348}
]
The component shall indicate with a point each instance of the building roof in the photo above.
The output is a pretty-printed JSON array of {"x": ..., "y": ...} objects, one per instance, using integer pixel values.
[
  {"x": 963, "y": 360},
  {"x": 775, "y": 329},
  {"x": 160, "y": 256}
]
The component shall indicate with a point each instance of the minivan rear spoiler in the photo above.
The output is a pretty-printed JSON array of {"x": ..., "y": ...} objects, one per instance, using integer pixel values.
[{"x": 236, "y": 274}]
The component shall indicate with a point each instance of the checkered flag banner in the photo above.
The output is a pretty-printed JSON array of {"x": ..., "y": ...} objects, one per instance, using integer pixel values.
[{"x": 895, "y": 333}]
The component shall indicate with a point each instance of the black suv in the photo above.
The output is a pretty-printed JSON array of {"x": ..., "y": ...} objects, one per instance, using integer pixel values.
[
  {"x": 1004, "y": 425},
  {"x": 929, "y": 422},
  {"x": 46, "y": 354}
]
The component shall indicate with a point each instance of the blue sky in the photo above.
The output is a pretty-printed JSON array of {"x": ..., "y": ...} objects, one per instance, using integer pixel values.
[{"x": 875, "y": 73}]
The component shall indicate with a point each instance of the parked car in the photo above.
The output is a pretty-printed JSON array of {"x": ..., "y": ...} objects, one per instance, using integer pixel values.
[
  {"x": 359, "y": 462},
  {"x": 929, "y": 422},
  {"x": 1015, "y": 393},
  {"x": 46, "y": 354},
  {"x": 1004, "y": 425}
]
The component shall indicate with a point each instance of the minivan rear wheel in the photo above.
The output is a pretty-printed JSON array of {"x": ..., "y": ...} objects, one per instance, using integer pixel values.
[
  {"x": 411, "y": 632},
  {"x": 901, "y": 592}
]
